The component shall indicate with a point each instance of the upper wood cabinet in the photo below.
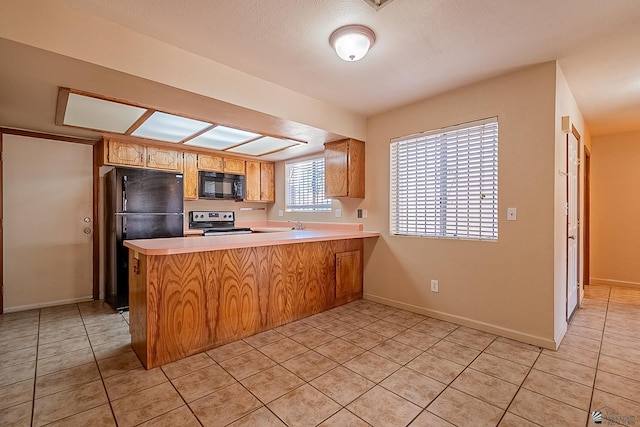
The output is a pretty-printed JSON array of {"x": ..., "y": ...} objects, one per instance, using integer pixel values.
[
  {"x": 234, "y": 166},
  {"x": 190, "y": 180},
  {"x": 124, "y": 153},
  {"x": 344, "y": 168},
  {"x": 162, "y": 158},
  {"x": 260, "y": 182},
  {"x": 207, "y": 162}
]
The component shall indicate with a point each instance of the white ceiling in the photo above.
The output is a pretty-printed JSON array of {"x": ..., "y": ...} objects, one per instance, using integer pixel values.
[{"x": 423, "y": 47}]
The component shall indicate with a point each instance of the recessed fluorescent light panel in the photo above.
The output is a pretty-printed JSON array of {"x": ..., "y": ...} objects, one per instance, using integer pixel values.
[
  {"x": 222, "y": 137},
  {"x": 170, "y": 128},
  {"x": 99, "y": 114},
  {"x": 263, "y": 145}
]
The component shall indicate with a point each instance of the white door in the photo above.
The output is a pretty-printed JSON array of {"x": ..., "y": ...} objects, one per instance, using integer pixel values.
[
  {"x": 572, "y": 223},
  {"x": 48, "y": 222}
]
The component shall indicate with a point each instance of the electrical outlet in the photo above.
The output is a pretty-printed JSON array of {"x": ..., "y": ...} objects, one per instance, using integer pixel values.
[
  {"x": 280, "y": 212},
  {"x": 434, "y": 286},
  {"x": 338, "y": 213},
  {"x": 512, "y": 214}
]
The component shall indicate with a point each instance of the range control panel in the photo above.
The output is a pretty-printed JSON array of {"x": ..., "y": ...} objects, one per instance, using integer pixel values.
[{"x": 211, "y": 216}]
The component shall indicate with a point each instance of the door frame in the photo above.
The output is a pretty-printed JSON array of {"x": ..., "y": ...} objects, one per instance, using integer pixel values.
[
  {"x": 576, "y": 134},
  {"x": 586, "y": 217},
  {"x": 96, "y": 234}
]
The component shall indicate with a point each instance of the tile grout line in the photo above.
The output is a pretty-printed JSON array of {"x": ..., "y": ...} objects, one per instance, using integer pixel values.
[
  {"x": 35, "y": 371},
  {"x": 595, "y": 376}
]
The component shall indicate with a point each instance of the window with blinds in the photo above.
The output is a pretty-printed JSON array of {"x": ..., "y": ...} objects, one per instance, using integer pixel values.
[
  {"x": 444, "y": 183},
  {"x": 305, "y": 186}
]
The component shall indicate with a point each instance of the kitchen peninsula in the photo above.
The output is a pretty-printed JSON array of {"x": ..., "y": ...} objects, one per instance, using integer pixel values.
[{"x": 191, "y": 294}]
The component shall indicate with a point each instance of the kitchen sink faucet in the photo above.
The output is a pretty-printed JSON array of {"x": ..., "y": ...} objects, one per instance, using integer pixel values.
[{"x": 298, "y": 225}]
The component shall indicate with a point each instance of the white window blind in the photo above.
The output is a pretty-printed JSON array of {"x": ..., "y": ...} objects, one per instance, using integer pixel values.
[
  {"x": 305, "y": 186},
  {"x": 444, "y": 183}
]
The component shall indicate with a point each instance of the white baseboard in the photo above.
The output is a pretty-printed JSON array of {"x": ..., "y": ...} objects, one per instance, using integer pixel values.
[
  {"x": 597, "y": 281},
  {"x": 46, "y": 304},
  {"x": 464, "y": 321},
  {"x": 560, "y": 335}
]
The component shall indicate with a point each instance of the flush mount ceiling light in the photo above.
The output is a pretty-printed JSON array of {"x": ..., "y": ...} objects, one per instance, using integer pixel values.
[{"x": 352, "y": 42}]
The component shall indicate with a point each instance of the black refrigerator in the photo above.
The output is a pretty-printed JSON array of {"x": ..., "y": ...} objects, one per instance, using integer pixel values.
[{"x": 139, "y": 204}]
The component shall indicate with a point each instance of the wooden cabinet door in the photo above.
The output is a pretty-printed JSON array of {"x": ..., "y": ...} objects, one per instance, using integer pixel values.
[
  {"x": 190, "y": 179},
  {"x": 252, "y": 183},
  {"x": 267, "y": 182},
  {"x": 210, "y": 163},
  {"x": 348, "y": 273},
  {"x": 162, "y": 158},
  {"x": 234, "y": 166},
  {"x": 335, "y": 169},
  {"x": 125, "y": 153},
  {"x": 356, "y": 169}
]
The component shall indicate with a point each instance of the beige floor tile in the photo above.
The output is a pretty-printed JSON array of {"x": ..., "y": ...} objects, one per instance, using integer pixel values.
[
  {"x": 569, "y": 392},
  {"x": 18, "y": 357},
  {"x": 434, "y": 367},
  {"x": 511, "y": 420},
  {"x": 247, "y": 364},
  {"x": 181, "y": 417},
  {"x": 501, "y": 368},
  {"x": 485, "y": 387},
  {"x": 70, "y": 402},
  {"x": 64, "y": 361},
  {"x": 112, "y": 349},
  {"x": 146, "y": 404},
  {"x": 384, "y": 328},
  {"x": 520, "y": 344},
  {"x": 17, "y": 315},
  {"x": 67, "y": 379},
  {"x": 546, "y": 411},
  {"x": 18, "y": 323},
  {"x": 202, "y": 382},
  {"x": 372, "y": 366},
  {"x": 380, "y": 407},
  {"x": 133, "y": 381},
  {"x": 224, "y": 406},
  {"x": 344, "y": 418},
  {"x": 435, "y": 327},
  {"x": 229, "y": 351},
  {"x": 611, "y": 338},
  {"x": 472, "y": 338},
  {"x": 396, "y": 351},
  {"x": 363, "y": 338},
  {"x": 338, "y": 328},
  {"x": 16, "y": 393},
  {"x": 476, "y": 413},
  {"x": 582, "y": 342},
  {"x": 574, "y": 354},
  {"x": 115, "y": 334},
  {"x": 118, "y": 364},
  {"x": 61, "y": 334},
  {"x": 416, "y": 339},
  {"x": 109, "y": 324},
  {"x": 293, "y": 328},
  {"x": 17, "y": 373},
  {"x": 318, "y": 319},
  {"x": 283, "y": 350},
  {"x": 584, "y": 332},
  {"x": 342, "y": 385},
  {"x": 313, "y": 337},
  {"x": 512, "y": 352},
  {"x": 10, "y": 333},
  {"x": 618, "y": 385},
  {"x": 260, "y": 417},
  {"x": 263, "y": 338},
  {"x": 304, "y": 406},
  {"x": 46, "y": 328},
  {"x": 624, "y": 353},
  {"x": 427, "y": 419},
  {"x": 454, "y": 352},
  {"x": 309, "y": 365},
  {"x": 100, "y": 416},
  {"x": 339, "y": 350},
  {"x": 566, "y": 369},
  {"x": 271, "y": 383},
  {"x": 405, "y": 319},
  {"x": 18, "y": 343},
  {"x": 187, "y": 365},
  {"x": 358, "y": 319},
  {"x": 615, "y": 408},
  {"x": 62, "y": 347},
  {"x": 380, "y": 311},
  {"x": 412, "y": 386},
  {"x": 619, "y": 367},
  {"x": 17, "y": 415}
]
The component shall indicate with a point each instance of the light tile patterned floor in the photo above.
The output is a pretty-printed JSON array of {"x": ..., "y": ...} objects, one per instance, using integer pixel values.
[{"x": 356, "y": 365}]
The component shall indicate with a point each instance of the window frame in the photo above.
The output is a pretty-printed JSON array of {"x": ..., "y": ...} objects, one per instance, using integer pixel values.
[
  {"x": 320, "y": 204},
  {"x": 434, "y": 166}
]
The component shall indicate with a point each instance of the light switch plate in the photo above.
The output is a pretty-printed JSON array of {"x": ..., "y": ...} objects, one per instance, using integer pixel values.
[
  {"x": 512, "y": 214},
  {"x": 365, "y": 213},
  {"x": 338, "y": 213},
  {"x": 280, "y": 213}
]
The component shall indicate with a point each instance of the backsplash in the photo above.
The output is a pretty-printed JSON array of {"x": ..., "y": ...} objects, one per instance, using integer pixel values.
[{"x": 258, "y": 212}]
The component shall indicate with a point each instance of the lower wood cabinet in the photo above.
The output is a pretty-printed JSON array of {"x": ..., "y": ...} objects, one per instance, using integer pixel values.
[{"x": 348, "y": 273}]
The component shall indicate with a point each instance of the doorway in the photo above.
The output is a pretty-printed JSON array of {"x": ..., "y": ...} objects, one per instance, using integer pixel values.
[
  {"x": 585, "y": 223},
  {"x": 573, "y": 232},
  {"x": 47, "y": 222}
]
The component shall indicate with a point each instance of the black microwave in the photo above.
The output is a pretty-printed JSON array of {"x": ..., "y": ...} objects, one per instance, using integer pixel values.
[{"x": 220, "y": 186}]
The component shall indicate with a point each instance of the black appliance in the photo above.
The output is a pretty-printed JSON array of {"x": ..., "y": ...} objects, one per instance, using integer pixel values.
[
  {"x": 139, "y": 204},
  {"x": 216, "y": 223},
  {"x": 215, "y": 185}
]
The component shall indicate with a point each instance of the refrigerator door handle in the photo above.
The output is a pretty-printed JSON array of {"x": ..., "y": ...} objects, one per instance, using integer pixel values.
[
  {"x": 124, "y": 227},
  {"x": 124, "y": 193}
]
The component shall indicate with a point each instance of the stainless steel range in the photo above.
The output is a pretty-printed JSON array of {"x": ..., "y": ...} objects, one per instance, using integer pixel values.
[{"x": 215, "y": 223}]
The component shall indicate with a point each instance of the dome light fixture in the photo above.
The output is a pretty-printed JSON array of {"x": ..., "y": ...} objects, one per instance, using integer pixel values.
[{"x": 352, "y": 42}]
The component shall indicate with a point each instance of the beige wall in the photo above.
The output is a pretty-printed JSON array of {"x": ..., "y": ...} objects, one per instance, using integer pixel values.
[{"x": 615, "y": 209}]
